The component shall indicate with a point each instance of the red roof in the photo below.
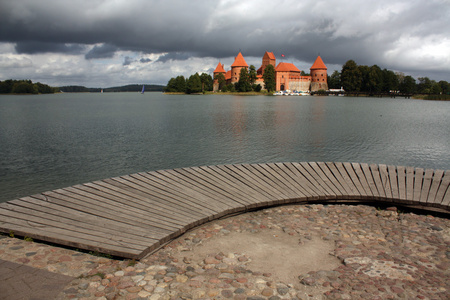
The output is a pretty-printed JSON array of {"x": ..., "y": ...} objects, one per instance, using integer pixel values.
[
  {"x": 228, "y": 75},
  {"x": 318, "y": 64},
  {"x": 219, "y": 68},
  {"x": 270, "y": 55},
  {"x": 239, "y": 61},
  {"x": 286, "y": 67}
]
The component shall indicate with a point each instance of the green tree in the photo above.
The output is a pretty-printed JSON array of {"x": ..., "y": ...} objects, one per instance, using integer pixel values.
[
  {"x": 351, "y": 77},
  {"x": 364, "y": 71},
  {"x": 252, "y": 74},
  {"x": 171, "y": 86},
  {"x": 194, "y": 84},
  {"x": 207, "y": 82},
  {"x": 43, "y": 88},
  {"x": 180, "y": 84},
  {"x": 23, "y": 87},
  {"x": 374, "y": 79},
  {"x": 424, "y": 85},
  {"x": 269, "y": 78},
  {"x": 334, "y": 81},
  {"x": 408, "y": 85},
  {"x": 221, "y": 80},
  {"x": 445, "y": 87},
  {"x": 390, "y": 81},
  {"x": 436, "y": 88},
  {"x": 244, "y": 81},
  {"x": 6, "y": 86}
]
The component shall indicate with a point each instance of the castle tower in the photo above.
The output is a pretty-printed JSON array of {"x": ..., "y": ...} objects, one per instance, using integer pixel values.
[
  {"x": 239, "y": 63},
  {"x": 268, "y": 59},
  {"x": 318, "y": 72},
  {"x": 219, "y": 70}
]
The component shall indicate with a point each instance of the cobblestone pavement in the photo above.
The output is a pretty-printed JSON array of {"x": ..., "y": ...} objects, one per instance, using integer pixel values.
[{"x": 382, "y": 254}]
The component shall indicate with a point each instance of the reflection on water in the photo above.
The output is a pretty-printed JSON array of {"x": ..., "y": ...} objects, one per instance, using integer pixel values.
[{"x": 53, "y": 141}]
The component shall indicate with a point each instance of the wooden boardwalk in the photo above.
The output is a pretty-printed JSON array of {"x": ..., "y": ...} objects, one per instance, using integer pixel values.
[{"x": 132, "y": 215}]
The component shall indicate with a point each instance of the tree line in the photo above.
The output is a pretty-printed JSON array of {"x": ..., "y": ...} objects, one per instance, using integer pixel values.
[
  {"x": 202, "y": 83},
  {"x": 25, "y": 87},
  {"x": 374, "y": 80}
]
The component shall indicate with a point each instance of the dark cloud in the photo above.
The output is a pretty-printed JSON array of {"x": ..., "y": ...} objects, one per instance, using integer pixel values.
[
  {"x": 174, "y": 56},
  {"x": 33, "y": 47},
  {"x": 103, "y": 51},
  {"x": 128, "y": 60},
  {"x": 145, "y": 60},
  {"x": 389, "y": 33}
]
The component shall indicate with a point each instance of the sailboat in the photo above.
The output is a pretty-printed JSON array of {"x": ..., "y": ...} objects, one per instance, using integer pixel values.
[{"x": 143, "y": 88}]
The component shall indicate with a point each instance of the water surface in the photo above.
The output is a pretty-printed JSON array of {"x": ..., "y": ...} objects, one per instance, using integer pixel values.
[{"x": 54, "y": 141}]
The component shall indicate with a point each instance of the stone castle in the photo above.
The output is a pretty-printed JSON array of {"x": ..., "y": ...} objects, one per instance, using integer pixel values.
[{"x": 287, "y": 75}]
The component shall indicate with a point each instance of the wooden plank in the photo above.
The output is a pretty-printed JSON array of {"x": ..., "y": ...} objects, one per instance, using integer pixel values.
[
  {"x": 401, "y": 177},
  {"x": 362, "y": 179},
  {"x": 252, "y": 179},
  {"x": 234, "y": 199},
  {"x": 446, "y": 200},
  {"x": 385, "y": 181},
  {"x": 122, "y": 206},
  {"x": 443, "y": 188},
  {"x": 207, "y": 197},
  {"x": 394, "y": 181},
  {"x": 436, "y": 181},
  {"x": 410, "y": 184},
  {"x": 374, "y": 169},
  {"x": 355, "y": 179},
  {"x": 63, "y": 237},
  {"x": 322, "y": 169},
  {"x": 36, "y": 207},
  {"x": 346, "y": 190},
  {"x": 353, "y": 190},
  {"x": 118, "y": 186},
  {"x": 418, "y": 178},
  {"x": 272, "y": 178},
  {"x": 288, "y": 177},
  {"x": 370, "y": 180},
  {"x": 48, "y": 221},
  {"x": 259, "y": 196},
  {"x": 170, "y": 191},
  {"x": 426, "y": 185},
  {"x": 254, "y": 196},
  {"x": 193, "y": 193},
  {"x": 161, "y": 201},
  {"x": 329, "y": 193},
  {"x": 70, "y": 200},
  {"x": 302, "y": 182},
  {"x": 314, "y": 181},
  {"x": 241, "y": 199}
]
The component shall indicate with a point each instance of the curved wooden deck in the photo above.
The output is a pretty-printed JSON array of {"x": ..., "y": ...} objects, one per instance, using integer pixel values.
[{"x": 132, "y": 215}]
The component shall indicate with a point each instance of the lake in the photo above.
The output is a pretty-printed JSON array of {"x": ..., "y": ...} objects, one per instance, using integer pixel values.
[{"x": 54, "y": 141}]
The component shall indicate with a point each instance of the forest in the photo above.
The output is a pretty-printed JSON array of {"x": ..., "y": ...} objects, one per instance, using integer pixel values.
[
  {"x": 25, "y": 87},
  {"x": 353, "y": 78}
]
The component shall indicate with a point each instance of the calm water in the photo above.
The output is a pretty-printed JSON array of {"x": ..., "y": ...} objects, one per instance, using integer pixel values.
[{"x": 54, "y": 141}]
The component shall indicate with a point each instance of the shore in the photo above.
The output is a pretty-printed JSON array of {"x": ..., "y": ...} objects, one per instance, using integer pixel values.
[{"x": 288, "y": 252}]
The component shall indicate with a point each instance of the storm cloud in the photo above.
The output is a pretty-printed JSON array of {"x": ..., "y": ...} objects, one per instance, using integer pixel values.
[{"x": 106, "y": 38}]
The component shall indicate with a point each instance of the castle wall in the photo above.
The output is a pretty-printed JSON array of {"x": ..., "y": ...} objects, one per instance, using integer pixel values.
[
  {"x": 315, "y": 86},
  {"x": 299, "y": 85}
]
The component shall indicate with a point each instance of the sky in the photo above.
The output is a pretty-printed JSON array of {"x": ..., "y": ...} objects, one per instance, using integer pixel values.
[{"x": 104, "y": 43}]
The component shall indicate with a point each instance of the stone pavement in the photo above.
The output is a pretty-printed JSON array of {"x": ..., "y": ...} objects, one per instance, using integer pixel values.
[{"x": 380, "y": 254}]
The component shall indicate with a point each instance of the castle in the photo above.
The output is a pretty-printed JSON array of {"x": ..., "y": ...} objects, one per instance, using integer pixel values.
[{"x": 287, "y": 75}]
